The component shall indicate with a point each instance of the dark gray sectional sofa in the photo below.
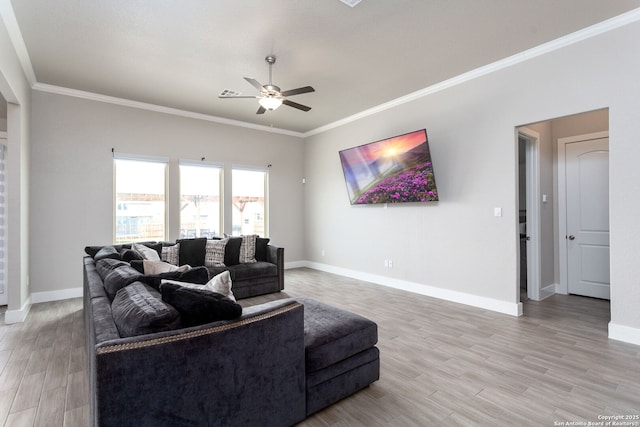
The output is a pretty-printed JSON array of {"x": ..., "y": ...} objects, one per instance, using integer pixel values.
[
  {"x": 264, "y": 276},
  {"x": 274, "y": 365}
]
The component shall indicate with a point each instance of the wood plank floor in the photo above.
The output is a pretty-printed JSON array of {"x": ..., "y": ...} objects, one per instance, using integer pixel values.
[{"x": 442, "y": 364}]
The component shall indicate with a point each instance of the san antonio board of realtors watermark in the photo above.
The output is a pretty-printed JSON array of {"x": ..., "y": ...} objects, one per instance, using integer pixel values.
[{"x": 605, "y": 421}]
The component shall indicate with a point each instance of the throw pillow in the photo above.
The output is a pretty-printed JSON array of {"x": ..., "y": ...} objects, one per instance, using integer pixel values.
[
  {"x": 262, "y": 248},
  {"x": 220, "y": 284},
  {"x": 107, "y": 252},
  {"x": 214, "y": 253},
  {"x": 248, "y": 249},
  {"x": 129, "y": 255},
  {"x": 196, "y": 275},
  {"x": 158, "y": 267},
  {"x": 145, "y": 252},
  {"x": 192, "y": 251},
  {"x": 139, "y": 309},
  {"x": 232, "y": 251},
  {"x": 197, "y": 306},
  {"x": 171, "y": 254}
]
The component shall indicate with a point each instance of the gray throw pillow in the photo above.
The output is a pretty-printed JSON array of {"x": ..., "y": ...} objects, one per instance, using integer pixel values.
[{"x": 138, "y": 309}]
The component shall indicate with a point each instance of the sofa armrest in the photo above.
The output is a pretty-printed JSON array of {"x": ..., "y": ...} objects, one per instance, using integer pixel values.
[
  {"x": 275, "y": 255},
  {"x": 232, "y": 373}
]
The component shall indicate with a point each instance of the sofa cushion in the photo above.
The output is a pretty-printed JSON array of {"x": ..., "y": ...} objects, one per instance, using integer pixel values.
[
  {"x": 107, "y": 265},
  {"x": 198, "y": 306},
  {"x": 254, "y": 270},
  {"x": 138, "y": 309},
  {"x": 261, "y": 248},
  {"x": 214, "y": 253},
  {"x": 192, "y": 251},
  {"x": 247, "y": 249},
  {"x": 171, "y": 254},
  {"x": 118, "y": 279},
  {"x": 107, "y": 252},
  {"x": 332, "y": 334}
]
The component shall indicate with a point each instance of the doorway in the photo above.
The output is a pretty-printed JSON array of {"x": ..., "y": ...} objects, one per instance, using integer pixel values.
[{"x": 548, "y": 202}]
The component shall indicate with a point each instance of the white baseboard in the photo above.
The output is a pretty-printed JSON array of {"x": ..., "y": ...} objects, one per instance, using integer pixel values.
[
  {"x": 37, "y": 297},
  {"x": 295, "y": 264},
  {"x": 511, "y": 308},
  {"x": 624, "y": 333},
  {"x": 17, "y": 316}
]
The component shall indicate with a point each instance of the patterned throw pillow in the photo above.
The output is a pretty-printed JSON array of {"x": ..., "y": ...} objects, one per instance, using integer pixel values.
[
  {"x": 214, "y": 253},
  {"x": 170, "y": 254},
  {"x": 248, "y": 249}
]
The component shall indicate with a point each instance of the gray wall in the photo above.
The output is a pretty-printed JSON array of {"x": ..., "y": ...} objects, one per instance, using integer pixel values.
[
  {"x": 72, "y": 175},
  {"x": 457, "y": 244}
]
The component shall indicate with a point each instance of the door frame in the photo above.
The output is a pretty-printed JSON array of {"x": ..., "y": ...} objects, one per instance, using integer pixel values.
[
  {"x": 563, "y": 286},
  {"x": 532, "y": 163},
  {"x": 4, "y": 300}
]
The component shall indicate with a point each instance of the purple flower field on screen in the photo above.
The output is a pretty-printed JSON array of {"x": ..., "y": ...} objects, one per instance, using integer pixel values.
[{"x": 411, "y": 185}]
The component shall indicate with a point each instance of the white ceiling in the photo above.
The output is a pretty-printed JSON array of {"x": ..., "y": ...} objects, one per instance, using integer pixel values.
[{"x": 182, "y": 54}]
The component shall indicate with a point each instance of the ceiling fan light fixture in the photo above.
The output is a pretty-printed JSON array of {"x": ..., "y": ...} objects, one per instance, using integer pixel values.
[
  {"x": 352, "y": 3},
  {"x": 270, "y": 102}
]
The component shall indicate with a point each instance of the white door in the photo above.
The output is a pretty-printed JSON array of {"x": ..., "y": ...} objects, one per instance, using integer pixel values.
[{"x": 587, "y": 193}]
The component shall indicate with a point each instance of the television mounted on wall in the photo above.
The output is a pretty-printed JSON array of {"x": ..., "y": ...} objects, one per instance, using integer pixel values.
[{"x": 393, "y": 170}]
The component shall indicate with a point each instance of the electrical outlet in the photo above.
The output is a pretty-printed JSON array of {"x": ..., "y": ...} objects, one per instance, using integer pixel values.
[
  {"x": 390, "y": 264},
  {"x": 322, "y": 252}
]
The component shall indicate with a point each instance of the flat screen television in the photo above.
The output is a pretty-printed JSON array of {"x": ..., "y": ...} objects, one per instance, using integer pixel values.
[{"x": 394, "y": 170}]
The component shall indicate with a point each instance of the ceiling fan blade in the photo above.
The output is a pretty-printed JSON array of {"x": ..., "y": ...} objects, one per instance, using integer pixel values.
[
  {"x": 298, "y": 91},
  {"x": 236, "y": 96},
  {"x": 296, "y": 105},
  {"x": 254, "y": 83},
  {"x": 261, "y": 110}
]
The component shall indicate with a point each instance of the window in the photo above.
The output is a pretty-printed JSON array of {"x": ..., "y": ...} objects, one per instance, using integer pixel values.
[
  {"x": 249, "y": 196},
  {"x": 140, "y": 200},
  {"x": 200, "y": 201}
]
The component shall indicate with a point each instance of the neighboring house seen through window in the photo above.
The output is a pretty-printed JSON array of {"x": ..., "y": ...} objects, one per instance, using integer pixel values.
[
  {"x": 200, "y": 214},
  {"x": 249, "y": 197},
  {"x": 140, "y": 207}
]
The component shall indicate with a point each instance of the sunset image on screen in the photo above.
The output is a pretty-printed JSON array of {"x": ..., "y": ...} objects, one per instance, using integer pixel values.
[{"x": 393, "y": 170}]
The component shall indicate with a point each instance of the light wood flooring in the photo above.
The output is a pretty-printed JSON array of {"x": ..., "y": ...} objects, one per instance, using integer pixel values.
[{"x": 442, "y": 364}]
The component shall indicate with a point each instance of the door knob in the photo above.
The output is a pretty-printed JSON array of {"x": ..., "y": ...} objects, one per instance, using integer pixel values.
[{"x": 572, "y": 237}]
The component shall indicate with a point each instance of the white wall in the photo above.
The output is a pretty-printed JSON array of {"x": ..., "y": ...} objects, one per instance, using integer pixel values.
[
  {"x": 72, "y": 176},
  {"x": 457, "y": 244}
]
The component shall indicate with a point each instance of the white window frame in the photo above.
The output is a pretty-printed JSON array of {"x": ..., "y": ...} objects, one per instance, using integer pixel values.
[
  {"x": 216, "y": 165},
  {"x": 266, "y": 190},
  {"x": 142, "y": 158}
]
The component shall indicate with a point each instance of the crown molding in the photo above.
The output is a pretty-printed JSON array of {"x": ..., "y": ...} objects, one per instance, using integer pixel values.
[
  {"x": 10, "y": 21},
  {"x": 158, "y": 108},
  {"x": 559, "y": 43}
]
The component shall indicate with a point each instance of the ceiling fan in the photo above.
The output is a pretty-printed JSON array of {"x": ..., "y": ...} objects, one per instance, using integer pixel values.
[{"x": 270, "y": 97}]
